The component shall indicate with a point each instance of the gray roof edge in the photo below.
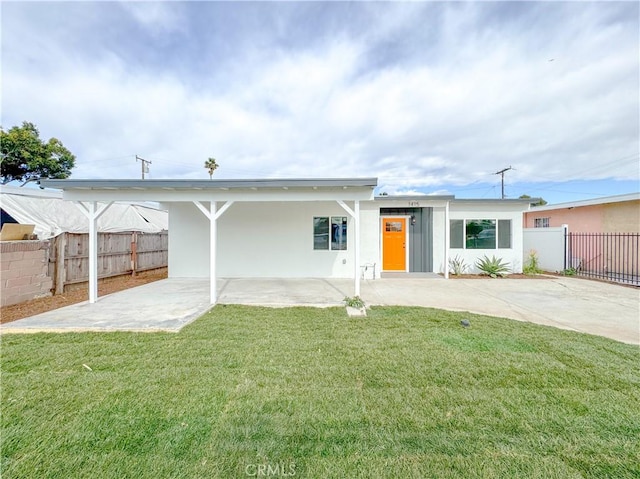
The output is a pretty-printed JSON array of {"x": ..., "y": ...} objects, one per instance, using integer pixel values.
[
  {"x": 454, "y": 199},
  {"x": 589, "y": 202},
  {"x": 414, "y": 197},
  {"x": 226, "y": 183},
  {"x": 497, "y": 200}
]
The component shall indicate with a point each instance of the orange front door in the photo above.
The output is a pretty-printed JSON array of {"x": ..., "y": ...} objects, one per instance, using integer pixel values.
[{"x": 394, "y": 253}]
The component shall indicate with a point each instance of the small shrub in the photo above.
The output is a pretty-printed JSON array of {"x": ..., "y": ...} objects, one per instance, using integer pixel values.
[
  {"x": 457, "y": 266},
  {"x": 493, "y": 267},
  {"x": 354, "y": 302},
  {"x": 570, "y": 272},
  {"x": 532, "y": 265}
]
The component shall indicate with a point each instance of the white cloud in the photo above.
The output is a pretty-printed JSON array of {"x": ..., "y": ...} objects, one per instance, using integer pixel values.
[
  {"x": 157, "y": 17},
  {"x": 451, "y": 113}
]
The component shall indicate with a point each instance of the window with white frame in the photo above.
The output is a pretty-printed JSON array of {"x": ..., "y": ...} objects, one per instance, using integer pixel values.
[
  {"x": 330, "y": 233},
  {"x": 541, "y": 223},
  {"x": 480, "y": 234}
]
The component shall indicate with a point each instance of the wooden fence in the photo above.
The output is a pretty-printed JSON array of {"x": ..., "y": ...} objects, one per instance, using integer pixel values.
[{"x": 118, "y": 254}]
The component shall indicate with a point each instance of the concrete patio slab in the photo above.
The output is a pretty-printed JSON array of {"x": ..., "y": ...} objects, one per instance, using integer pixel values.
[
  {"x": 165, "y": 305},
  {"x": 275, "y": 292},
  {"x": 580, "y": 305}
]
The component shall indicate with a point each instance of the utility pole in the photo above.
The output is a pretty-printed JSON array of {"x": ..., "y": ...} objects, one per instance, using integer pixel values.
[
  {"x": 144, "y": 164},
  {"x": 501, "y": 173}
]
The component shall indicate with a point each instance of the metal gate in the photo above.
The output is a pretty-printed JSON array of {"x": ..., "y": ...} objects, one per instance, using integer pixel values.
[{"x": 609, "y": 256}]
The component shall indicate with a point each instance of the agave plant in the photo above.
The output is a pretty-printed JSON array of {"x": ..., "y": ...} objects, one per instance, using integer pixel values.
[
  {"x": 493, "y": 267},
  {"x": 457, "y": 266}
]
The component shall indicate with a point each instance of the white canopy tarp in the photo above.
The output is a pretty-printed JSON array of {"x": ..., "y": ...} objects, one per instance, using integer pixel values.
[{"x": 52, "y": 215}]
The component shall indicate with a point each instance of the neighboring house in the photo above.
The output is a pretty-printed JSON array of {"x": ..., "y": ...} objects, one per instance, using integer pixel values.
[
  {"x": 322, "y": 228},
  {"x": 611, "y": 214},
  {"x": 596, "y": 238}
]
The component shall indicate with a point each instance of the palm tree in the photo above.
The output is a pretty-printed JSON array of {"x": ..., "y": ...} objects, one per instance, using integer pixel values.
[{"x": 211, "y": 165}]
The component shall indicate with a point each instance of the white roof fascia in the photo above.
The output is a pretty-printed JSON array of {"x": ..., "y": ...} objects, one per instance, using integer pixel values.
[
  {"x": 220, "y": 190},
  {"x": 212, "y": 184},
  {"x": 590, "y": 202}
]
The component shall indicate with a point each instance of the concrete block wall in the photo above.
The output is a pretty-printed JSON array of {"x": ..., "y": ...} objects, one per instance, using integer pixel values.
[{"x": 23, "y": 271}]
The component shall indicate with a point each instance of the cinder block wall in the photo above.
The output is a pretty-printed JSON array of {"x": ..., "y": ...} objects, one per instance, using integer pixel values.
[{"x": 23, "y": 271}]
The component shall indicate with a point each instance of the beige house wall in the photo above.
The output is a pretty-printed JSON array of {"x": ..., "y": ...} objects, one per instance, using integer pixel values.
[
  {"x": 618, "y": 217},
  {"x": 621, "y": 217}
]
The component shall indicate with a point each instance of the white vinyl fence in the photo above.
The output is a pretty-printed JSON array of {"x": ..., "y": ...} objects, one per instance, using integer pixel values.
[{"x": 549, "y": 245}]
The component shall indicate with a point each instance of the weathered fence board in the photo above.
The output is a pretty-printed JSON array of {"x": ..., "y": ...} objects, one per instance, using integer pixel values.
[{"x": 118, "y": 254}]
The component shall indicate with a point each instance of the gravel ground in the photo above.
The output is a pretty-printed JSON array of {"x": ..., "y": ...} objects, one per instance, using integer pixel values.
[{"x": 79, "y": 294}]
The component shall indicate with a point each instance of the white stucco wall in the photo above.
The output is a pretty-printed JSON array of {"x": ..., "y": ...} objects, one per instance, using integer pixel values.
[
  {"x": 438, "y": 239},
  {"x": 275, "y": 239},
  {"x": 370, "y": 253},
  {"x": 461, "y": 210},
  {"x": 188, "y": 241},
  {"x": 257, "y": 239}
]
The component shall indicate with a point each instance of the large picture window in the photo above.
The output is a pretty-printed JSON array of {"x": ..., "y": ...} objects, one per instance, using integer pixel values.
[
  {"x": 479, "y": 234},
  {"x": 330, "y": 233}
]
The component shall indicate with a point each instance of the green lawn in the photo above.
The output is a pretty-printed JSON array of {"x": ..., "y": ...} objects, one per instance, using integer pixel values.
[{"x": 258, "y": 392}]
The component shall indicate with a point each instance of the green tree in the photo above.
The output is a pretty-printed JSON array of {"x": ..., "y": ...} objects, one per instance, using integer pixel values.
[
  {"x": 25, "y": 157},
  {"x": 536, "y": 202},
  {"x": 211, "y": 165}
]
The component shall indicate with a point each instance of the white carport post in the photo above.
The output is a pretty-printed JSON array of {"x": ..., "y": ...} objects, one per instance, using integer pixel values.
[
  {"x": 213, "y": 214},
  {"x": 446, "y": 240},
  {"x": 92, "y": 212},
  {"x": 355, "y": 214},
  {"x": 213, "y": 248}
]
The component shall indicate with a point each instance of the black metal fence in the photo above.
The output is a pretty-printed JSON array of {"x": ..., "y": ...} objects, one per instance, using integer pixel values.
[{"x": 609, "y": 256}]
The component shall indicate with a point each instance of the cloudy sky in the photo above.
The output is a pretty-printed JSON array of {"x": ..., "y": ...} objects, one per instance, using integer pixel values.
[{"x": 428, "y": 97}]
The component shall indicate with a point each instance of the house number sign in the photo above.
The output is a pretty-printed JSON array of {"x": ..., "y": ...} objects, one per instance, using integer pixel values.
[{"x": 414, "y": 203}]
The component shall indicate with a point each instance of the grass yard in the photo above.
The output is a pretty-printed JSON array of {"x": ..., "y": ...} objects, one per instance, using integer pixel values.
[{"x": 301, "y": 392}]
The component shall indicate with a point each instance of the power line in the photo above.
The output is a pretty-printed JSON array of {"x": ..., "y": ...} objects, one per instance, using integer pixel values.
[
  {"x": 144, "y": 165},
  {"x": 501, "y": 173}
]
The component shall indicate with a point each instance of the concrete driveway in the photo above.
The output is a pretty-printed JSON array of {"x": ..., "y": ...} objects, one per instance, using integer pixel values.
[
  {"x": 576, "y": 304},
  {"x": 580, "y": 305}
]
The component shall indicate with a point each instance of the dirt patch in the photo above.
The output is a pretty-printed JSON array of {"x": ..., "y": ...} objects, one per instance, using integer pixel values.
[{"x": 78, "y": 295}]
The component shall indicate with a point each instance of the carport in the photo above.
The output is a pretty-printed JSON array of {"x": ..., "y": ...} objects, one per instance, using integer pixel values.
[{"x": 214, "y": 198}]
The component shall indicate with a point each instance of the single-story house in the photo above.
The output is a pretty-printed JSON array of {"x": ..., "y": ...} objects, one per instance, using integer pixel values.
[
  {"x": 318, "y": 227},
  {"x": 610, "y": 214}
]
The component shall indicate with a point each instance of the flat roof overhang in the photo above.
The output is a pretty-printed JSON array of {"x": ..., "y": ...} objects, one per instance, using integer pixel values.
[
  {"x": 413, "y": 201},
  {"x": 294, "y": 189}
]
